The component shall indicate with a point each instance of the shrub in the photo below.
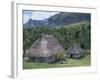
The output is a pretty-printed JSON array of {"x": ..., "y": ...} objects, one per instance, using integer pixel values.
[
  {"x": 87, "y": 51},
  {"x": 60, "y": 56}
]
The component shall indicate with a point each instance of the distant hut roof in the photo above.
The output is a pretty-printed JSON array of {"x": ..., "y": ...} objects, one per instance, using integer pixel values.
[
  {"x": 75, "y": 49},
  {"x": 46, "y": 46}
]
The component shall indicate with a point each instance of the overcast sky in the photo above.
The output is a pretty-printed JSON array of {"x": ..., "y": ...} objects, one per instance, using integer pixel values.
[{"x": 37, "y": 15}]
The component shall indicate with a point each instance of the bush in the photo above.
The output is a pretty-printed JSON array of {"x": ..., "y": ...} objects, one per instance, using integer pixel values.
[
  {"x": 60, "y": 56},
  {"x": 87, "y": 51}
]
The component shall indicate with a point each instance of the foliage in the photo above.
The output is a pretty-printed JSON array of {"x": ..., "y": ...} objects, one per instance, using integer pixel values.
[
  {"x": 60, "y": 56},
  {"x": 66, "y": 35},
  {"x": 86, "y": 51},
  {"x": 85, "y": 61}
]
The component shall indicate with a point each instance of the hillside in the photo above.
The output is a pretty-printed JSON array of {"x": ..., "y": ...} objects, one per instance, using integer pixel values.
[{"x": 63, "y": 18}]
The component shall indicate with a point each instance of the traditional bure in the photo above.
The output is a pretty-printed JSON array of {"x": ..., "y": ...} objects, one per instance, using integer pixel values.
[
  {"x": 75, "y": 51},
  {"x": 44, "y": 49}
]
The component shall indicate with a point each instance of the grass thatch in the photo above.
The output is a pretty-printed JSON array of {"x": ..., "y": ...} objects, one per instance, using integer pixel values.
[{"x": 46, "y": 46}]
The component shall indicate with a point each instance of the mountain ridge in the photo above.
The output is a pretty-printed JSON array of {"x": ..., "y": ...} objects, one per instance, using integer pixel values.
[{"x": 63, "y": 18}]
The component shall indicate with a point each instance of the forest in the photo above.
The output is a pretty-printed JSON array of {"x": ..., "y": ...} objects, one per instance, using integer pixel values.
[{"x": 66, "y": 35}]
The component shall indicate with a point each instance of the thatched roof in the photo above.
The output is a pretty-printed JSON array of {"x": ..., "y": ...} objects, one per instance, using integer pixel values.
[
  {"x": 46, "y": 46},
  {"x": 75, "y": 49}
]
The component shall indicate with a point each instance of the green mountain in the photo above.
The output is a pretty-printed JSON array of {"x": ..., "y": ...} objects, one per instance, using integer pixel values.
[{"x": 62, "y": 18}]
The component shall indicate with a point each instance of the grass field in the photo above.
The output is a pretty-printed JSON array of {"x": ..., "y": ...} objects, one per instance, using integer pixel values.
[{"x": 85, "y": 61}]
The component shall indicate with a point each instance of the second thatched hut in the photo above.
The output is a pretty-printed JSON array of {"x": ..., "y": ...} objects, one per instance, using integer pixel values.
[{"x": 75, "y": 51}]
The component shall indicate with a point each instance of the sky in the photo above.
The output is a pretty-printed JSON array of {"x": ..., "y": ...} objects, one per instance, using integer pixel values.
[{"x": 36, "y": 15}]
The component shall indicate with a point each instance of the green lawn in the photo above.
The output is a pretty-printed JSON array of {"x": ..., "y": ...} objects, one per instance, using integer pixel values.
[{"x": 85, "y": 61}]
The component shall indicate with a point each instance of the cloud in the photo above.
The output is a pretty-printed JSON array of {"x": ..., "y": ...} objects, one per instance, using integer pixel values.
[
  {"x": 37, "y": 15},
  {"x": 40, "y": 15},
  {"x": 26, "y": 16}
]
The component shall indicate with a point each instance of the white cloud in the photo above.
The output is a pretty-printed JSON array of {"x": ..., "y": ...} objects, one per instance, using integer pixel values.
[
  {"x": 40, "y": 15},
  {"x": 37, "y": 15},
  {"x": 26, "y": 18}
]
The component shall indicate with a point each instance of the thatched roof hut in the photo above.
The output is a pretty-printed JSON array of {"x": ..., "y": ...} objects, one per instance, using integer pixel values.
[
  {"x": 44, "y": 49},
  {"x": 75, "y": 51}
]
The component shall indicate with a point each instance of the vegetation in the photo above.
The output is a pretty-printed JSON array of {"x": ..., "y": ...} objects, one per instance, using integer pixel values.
[
  {"x": 67, "y": 28},
  {"x": 66, "y": 35},
  {"x": 85, "y": 61},
  {"x": 60, "y": 56},
  {"x": 87, "y": 51}
]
